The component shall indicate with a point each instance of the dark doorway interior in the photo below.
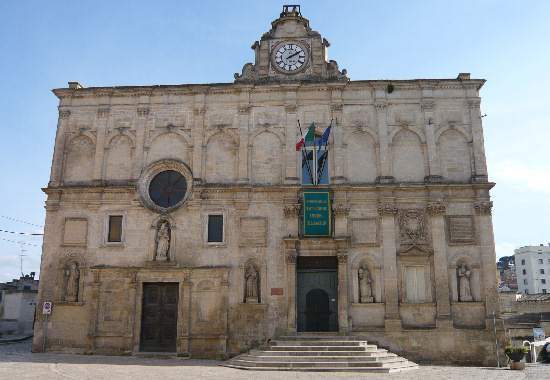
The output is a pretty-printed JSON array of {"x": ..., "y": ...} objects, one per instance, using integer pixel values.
[
  {"x": 317, "y": 294},
  {"x": 159, "y": 317}
]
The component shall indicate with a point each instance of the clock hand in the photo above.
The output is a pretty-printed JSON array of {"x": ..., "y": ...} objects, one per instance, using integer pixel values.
[{"x": 290, "y": 56}]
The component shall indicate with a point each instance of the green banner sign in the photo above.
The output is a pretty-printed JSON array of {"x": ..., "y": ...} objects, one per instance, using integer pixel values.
[{"x": 316, "y": 213}]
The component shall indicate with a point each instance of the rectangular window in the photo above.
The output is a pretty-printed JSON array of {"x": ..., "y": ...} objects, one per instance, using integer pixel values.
[
  {"x": 544, "y": 291},
  {"x": 540, "y": 261},
  {"x": 314, "y": 163},
  {"x": 543, "y": 281},
  {"x": 523, "y": 262},
  {"x": 526, "y": 291},
  {"x": 542, "y": 271},
  {"x": 525, "y": 282},
  {"x": 416, "y": 289},
  {"x": 115, "y": 229},
  {"x": 524, "y": 271},
  {"x": 548, "y": 261},
  {"x": 215, "y": 228}
]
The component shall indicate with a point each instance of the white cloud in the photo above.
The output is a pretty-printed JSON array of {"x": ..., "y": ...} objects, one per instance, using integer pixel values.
[{"x": 522, "y": 176}]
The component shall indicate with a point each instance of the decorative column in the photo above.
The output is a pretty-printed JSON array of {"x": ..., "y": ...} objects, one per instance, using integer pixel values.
[
  {"x": 199, "y": 146},
  {"x": 387, "y": 213},
  {"x": 244, "y": 122},
  {"x": 139, "y": 159},
  {"x": 291, "y": 255},
  {"x": 184, "y": 310},
  {"x": 57, "y": 164},
  {"x": 480, "y": 174},
  {"x": 102, "y": 116},
  {"x": 488, "y": 258},
  {"x": 343, "y": 298},
  {"x": 224, "y": 289},
  {"x": 434, "y": 167},
  {"x": 337, "y": 155},
  {"x": 381, "y": 117},
  {"x": 436, "y": 210},
  {"x": 94, "y": 302},
  {"x": 291, "y": 174}
]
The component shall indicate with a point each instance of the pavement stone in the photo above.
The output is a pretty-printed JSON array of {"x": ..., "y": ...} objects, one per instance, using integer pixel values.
[{"x": 17, "y": 362}]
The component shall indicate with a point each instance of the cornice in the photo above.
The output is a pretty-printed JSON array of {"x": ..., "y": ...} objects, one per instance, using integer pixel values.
[{"x": 221, "y": 88}]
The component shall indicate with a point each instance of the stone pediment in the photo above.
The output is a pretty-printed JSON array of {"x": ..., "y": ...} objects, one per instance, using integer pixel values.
[
  {"x": 415, "y": 250},
  {"x": 291, "y": 52}
]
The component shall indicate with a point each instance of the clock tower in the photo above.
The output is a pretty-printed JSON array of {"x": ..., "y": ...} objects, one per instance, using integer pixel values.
[{"x": 291, "y": 51}]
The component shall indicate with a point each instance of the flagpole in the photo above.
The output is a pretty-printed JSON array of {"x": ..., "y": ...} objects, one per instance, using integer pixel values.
[
  {"x": 304, "y": 154},
  {"x": 326, "y": 155}
]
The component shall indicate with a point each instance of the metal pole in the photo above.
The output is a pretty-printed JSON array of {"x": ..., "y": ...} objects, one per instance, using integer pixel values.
[
  {"x": 45, "y": 332},
  {"x": 496, "y": 340}
]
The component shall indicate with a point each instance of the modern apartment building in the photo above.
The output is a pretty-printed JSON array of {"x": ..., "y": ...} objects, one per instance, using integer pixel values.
[{"x": 533, "y": 268}]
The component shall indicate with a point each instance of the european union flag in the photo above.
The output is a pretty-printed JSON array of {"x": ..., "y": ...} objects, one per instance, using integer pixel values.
[{"x": 324, "y": 138}]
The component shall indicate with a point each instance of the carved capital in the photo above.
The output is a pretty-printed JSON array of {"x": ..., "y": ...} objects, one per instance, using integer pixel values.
[
  {"x": 342, "y": 258},
  {"x": 103, "y": 112},
  {"x": 291, "y": 108},
  {"x": 336, "y": 107},
  {"x": 291, "y": 256},
  {"x": 474, "y": 103},
  {"x": 483, "y": 207},
  {"x": 244, "y": 110},
  {"x": 199, "y": 111},
  {"x": 428, "y": 106},
  {"x": 387, "y": 209},
  {"x": 143, "y": 111},
  {"x": 64, "y": 113},
  {"x": 292, "y": 210},
  {"x": 340, "y": 209},
  {"x": 435, "y": 208}
]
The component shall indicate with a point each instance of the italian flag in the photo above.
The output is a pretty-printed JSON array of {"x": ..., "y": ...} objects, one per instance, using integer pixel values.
[{"x": 309, "y": 135}]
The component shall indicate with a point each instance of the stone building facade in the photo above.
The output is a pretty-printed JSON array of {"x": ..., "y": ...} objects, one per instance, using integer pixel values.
[{"x": 175, "y": 213}]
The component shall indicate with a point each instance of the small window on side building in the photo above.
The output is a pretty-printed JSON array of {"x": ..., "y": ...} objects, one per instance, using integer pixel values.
[
  {"x": 524, "y": 271},
  {"x": 525, "y": 282},
  {"x": 543, "y": 281},
  {"x": 215, "y": 228},
  {"x": 544, "y": 291},
  {"x": 540, "y": 261},
  {"x": 542, "y": 271},
  {"x": 115, "y": 229},
  {"x": 523, "y": 262}
]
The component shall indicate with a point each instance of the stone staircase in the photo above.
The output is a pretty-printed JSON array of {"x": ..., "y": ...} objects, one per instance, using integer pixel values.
[{"x": 320, "y": 352}]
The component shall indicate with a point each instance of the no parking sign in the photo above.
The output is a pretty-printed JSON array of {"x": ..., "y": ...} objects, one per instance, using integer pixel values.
[{"x": 47, "y": 308}]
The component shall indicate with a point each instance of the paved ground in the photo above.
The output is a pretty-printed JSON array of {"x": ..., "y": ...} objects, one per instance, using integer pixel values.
[{"x": 16, "y": 362}]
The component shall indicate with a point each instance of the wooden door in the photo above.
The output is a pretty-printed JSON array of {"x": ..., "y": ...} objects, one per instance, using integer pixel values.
[
  {"x": 159, "y": 317},
  {"x": 317, "y": 301}
]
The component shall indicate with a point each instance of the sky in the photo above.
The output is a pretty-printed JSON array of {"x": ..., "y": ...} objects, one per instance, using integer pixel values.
[{"x": 44, "y": 45}]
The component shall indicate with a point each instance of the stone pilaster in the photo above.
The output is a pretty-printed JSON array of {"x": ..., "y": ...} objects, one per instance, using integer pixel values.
[
  {"x": 184, "y": 309},
  {"x": 337, "y": 155},
  {"x": 343, "y": 299},
  {"x": 244, "y": 117},
  {"x": 436, "y": 209},
  {"x": 139, "y": 159},
  {"x": 291, "y": 256},
  {"x": 102, "y": 120},
  {"x": 59, "y": 148},
  {"x": 292, "y": 173},
  {"x": 199, "y": 145},
  {"x": 387, "y": 212},
  {"x": 224, "y": 323},
  {"x": 480, "y": 174},
  {"x": 381, "y": 117},
  {"x": 434, "y": 165},
  {"x": 488, "y": 257}
]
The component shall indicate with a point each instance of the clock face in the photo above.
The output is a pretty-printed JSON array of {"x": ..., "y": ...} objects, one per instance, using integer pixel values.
[{"x": 290, "y": 57}]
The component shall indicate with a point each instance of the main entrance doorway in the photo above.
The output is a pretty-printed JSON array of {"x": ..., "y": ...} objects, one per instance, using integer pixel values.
[
  {"x": 317, "y": 294},
  {"x": 159, "y": 317}
]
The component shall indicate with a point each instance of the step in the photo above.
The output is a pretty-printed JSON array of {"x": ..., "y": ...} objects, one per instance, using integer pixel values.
[
  {"x": 332, "y": 369},
  {"x": 306, "y": 338},
  {"x": 324, "y": 359},
  {"x": 317, "y": 343},
  {"x": 344, "y": 364},
  {"x": 373, "y": 353},
  {"x": 318, "y": 348}
]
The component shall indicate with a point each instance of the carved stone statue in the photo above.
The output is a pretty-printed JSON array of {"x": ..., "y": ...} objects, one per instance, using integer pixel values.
[
  {"x": 464, "y": 283},
  {"x": 73, "y": 281},
  {"x": 365, "y": 285},
  {"x": 163, "y": 242},
  {"x": 251, "y": 276}
]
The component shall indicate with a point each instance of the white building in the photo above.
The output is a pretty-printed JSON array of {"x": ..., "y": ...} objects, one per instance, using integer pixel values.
[{"x": 533, "y": 268}]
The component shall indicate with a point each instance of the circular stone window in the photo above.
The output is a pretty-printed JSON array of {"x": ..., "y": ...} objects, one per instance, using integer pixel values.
[{"x": 165, "y": 185}]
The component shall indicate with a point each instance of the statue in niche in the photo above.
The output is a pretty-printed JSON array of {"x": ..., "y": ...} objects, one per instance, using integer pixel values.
[
  {"x": 163, "y": 242},
  {"x": 251, "y": 276},
  {"x": 365, "y": 285},
  {"x": 464, "y": 283},
  {"x": 73, "y": 280}
]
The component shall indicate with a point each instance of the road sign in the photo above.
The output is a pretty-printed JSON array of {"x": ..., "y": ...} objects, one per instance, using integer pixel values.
[{"x": 47, "y": 308}]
